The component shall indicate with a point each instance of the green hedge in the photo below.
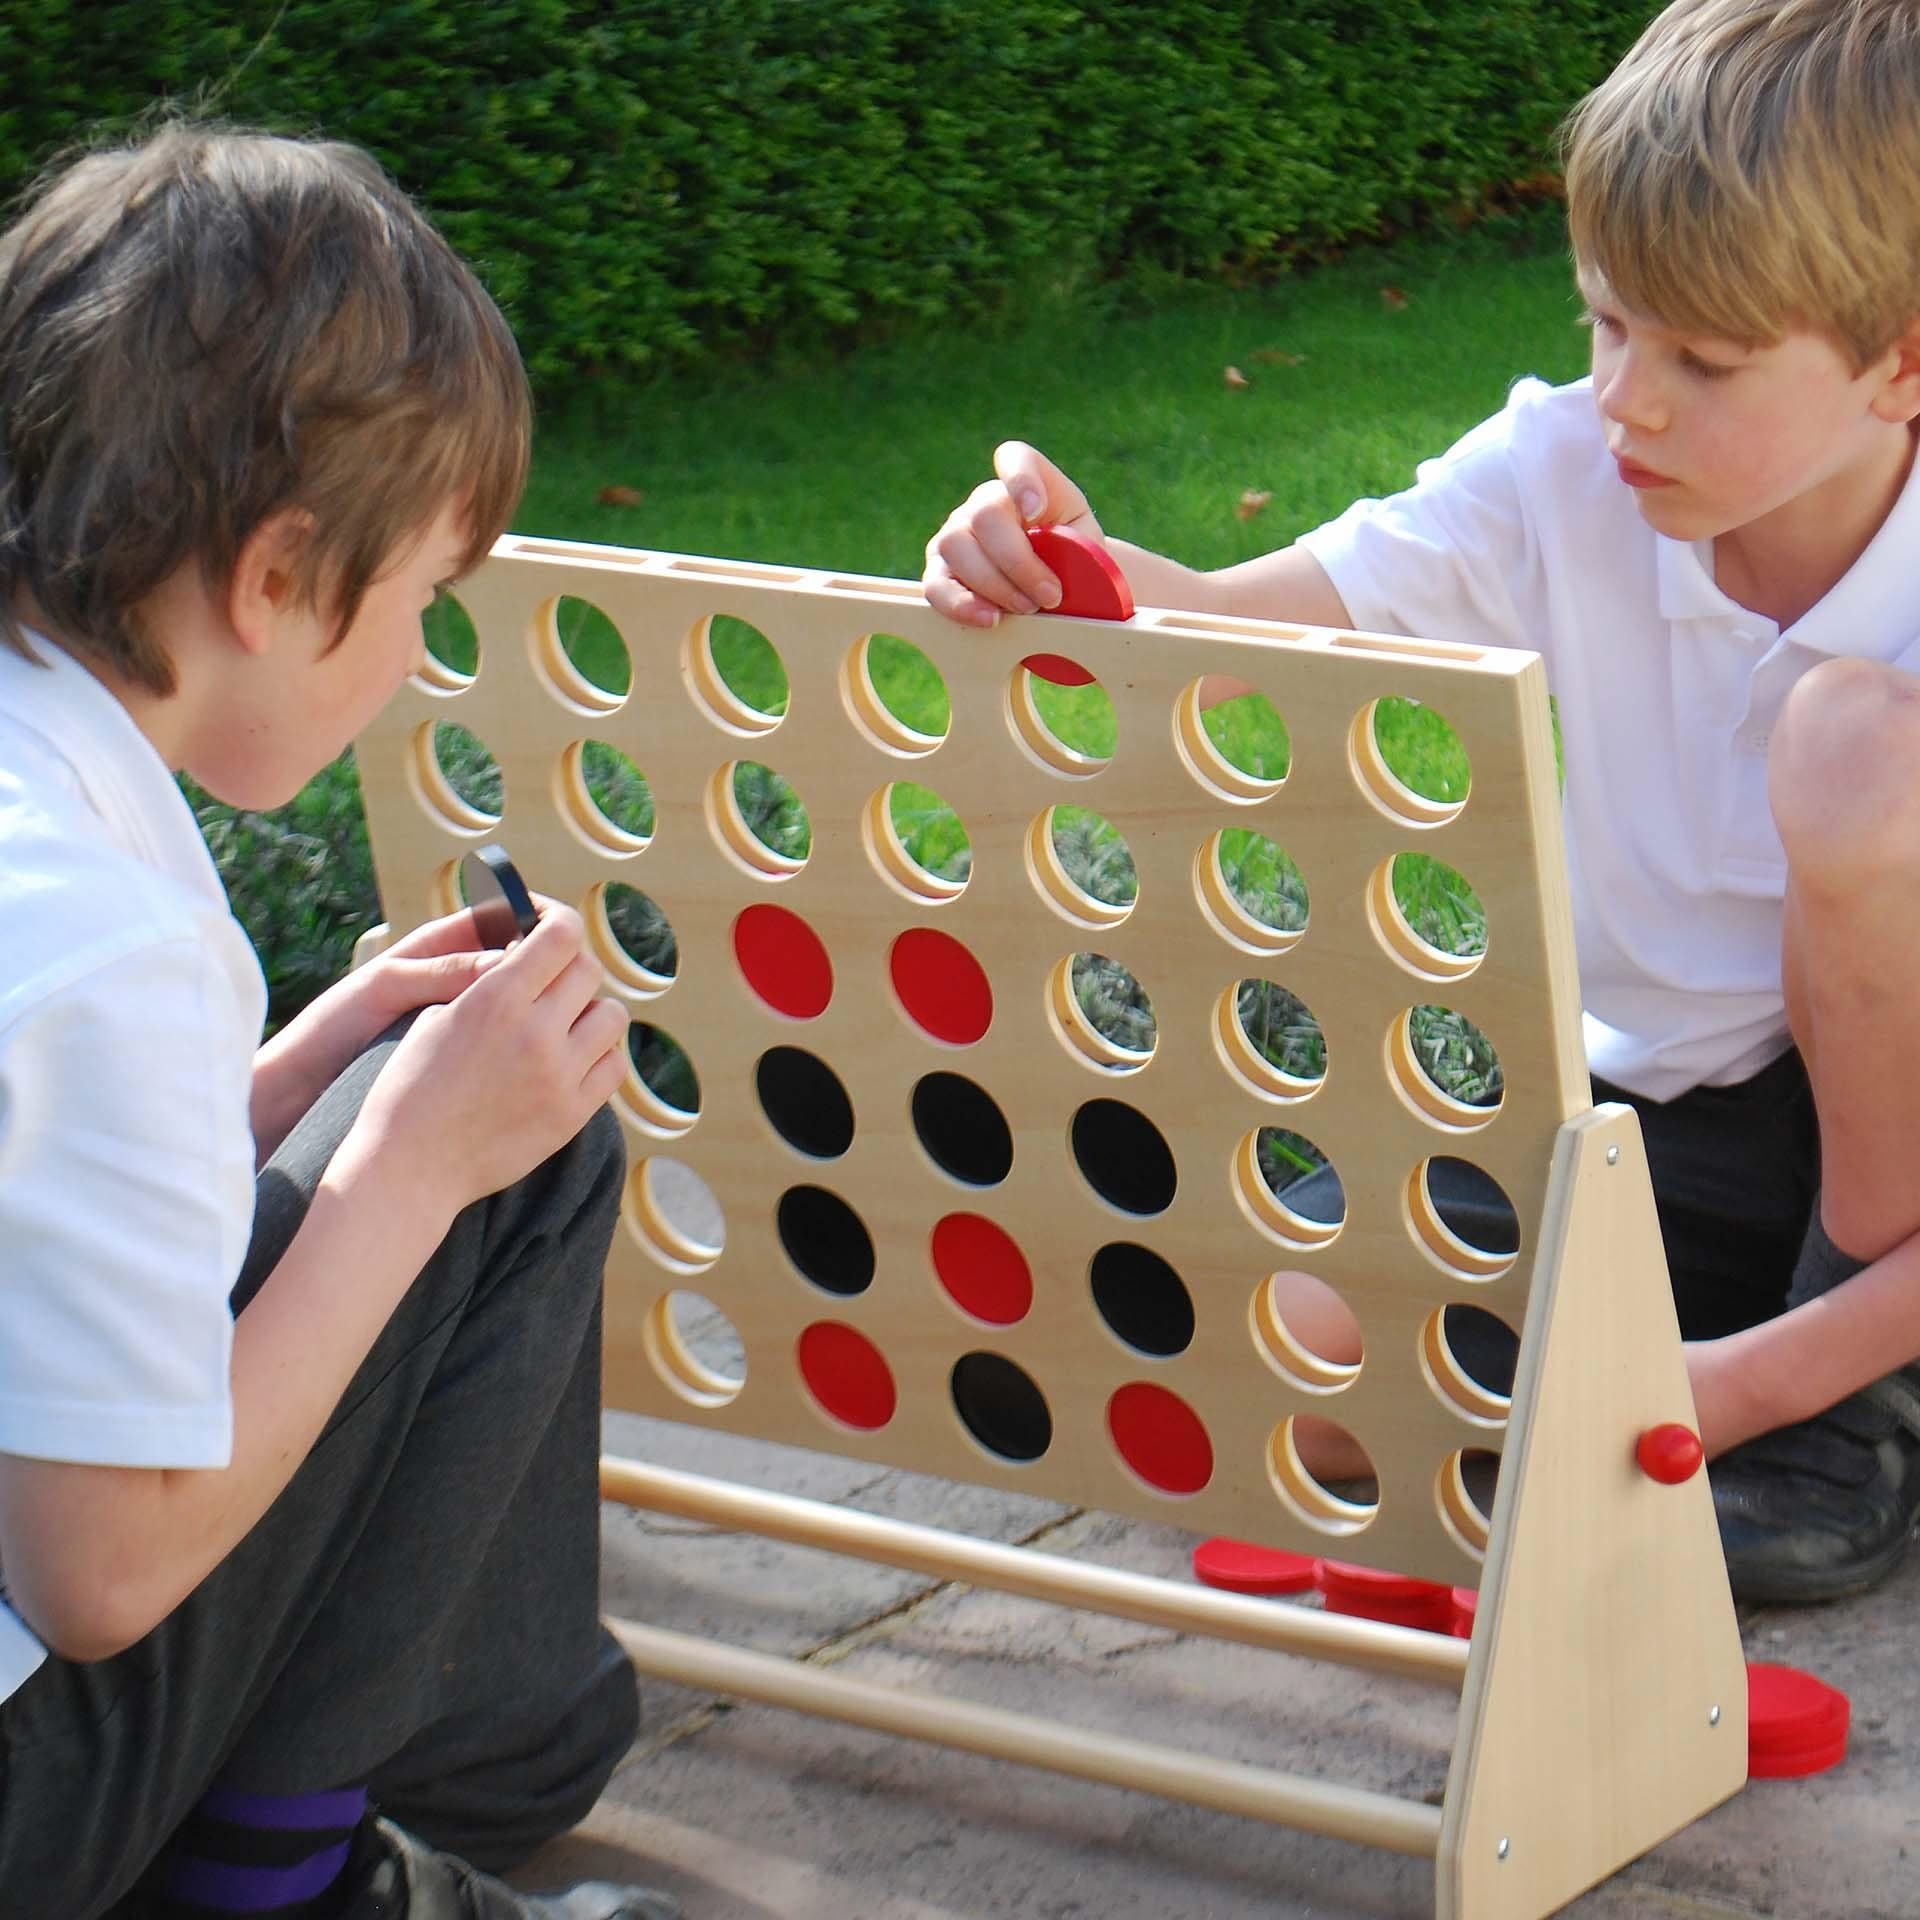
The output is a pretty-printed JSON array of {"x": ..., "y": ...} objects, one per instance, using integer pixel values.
[{"x": 648, "y": 182}]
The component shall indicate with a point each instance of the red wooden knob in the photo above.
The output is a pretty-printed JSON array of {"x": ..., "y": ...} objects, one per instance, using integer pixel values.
[{"x": 1670, "y": 1453}]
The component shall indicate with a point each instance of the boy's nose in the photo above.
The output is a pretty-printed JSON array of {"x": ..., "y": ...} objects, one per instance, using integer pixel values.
[{"x": 1629, "y": 398}]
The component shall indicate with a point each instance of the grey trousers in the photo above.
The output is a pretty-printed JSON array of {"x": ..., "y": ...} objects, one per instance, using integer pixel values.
[{"x": 419, "y": 1610}]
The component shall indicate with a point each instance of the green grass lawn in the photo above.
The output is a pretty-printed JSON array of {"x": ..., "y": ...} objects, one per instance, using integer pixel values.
[{"x": 852, "y": 467}]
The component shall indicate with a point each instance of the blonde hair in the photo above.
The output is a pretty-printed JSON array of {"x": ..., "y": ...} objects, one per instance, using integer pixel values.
[
  {"x": 207, "y": 327},
  {"x": 1752, "y": 167}
]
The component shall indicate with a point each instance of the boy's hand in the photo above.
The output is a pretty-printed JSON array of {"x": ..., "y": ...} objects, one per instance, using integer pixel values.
[
  {"x": 981, "y": 564},
  {"x": 434, "y": 963},
  {"x": 488, "y": 1083}
]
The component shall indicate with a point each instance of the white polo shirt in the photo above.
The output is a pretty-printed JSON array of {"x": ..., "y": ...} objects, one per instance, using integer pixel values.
[
  {"x": 1523, "y": 535},
  {"x": 130, "y": 1007}
]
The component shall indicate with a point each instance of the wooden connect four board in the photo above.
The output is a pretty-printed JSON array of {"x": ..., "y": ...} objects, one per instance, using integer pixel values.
[{"x": 958, "y": 1230}]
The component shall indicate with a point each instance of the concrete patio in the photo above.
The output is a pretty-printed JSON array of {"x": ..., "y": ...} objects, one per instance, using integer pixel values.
[{"x": 748, "y": 1811}]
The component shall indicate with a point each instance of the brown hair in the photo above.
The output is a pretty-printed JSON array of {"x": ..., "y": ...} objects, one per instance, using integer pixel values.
[
  {"x": 207, "y": 327},
  {"x": 1752, "y": 167}
]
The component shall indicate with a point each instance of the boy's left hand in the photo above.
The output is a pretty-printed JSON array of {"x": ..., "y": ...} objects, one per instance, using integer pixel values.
[{"x": 435, "y": 963}]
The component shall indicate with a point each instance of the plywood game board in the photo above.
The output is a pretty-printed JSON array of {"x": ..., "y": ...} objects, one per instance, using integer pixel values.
[{"x": 955, "y": 1227}]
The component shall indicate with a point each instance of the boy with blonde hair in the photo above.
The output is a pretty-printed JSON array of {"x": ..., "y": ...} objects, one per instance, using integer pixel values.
[
  {"x": 1711, "y": 541},
  {"x": 298, "y": 1505}
]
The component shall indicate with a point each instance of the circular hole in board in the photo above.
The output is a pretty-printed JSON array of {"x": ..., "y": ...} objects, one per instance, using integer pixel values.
[
  {"x": 847, "y": 1375},
  {"x": 1123, "y": 1157},
  {"x": 1445, "y": 1069},
  {"x": 1269, "y": 1040},
  {"x": 631, "y": 938},
  {"x": 1160, "y": 1437},
  {"x": 1100, "y": 1013},
  {"x": 941, "y": 987},
  {"x": 695, "y": 1349},
  {"x": 826, "y": 1240},
  {"x": 456, "y": 778},
  {"x": 1062, "y": 715},
  {"x": 580, "y": 656},
  {"x": 1001, "y": 1407},
  {"x": 1469, "y": 1356},
  {"x": 1301, "y": 1459},
  {"x": 803, "y": 1099},
  {"x": 1409, "y": 762},
  {"x": 783, "y": 960},
  {"x": 1144, "y": 1302},
  {"x": 1462, "y": 1218},
  {"x": 963, "y": 1132},
  {"x": 1082, "y": 867},
  {"x": 1289, "y": 1189},
  {"x": 895, "y": 696},
  {"x": 604, "y": 798},
  {"x": 1427, "y": 917},
  {"x": 1306, "y": 1332},
  {"x": 916, "y": 843},
  {"x": 756, "y": 817},
  {"x": 1237, "y": 749},
  {"x": 453, "y": 645},
  {"x": 736, "y": 675},
  {"x": 674, "y": 1215},
  {"x": 1463, "y": 1490},
  {"x": 1250, "y": 891},
  {"x": 982, "y": 1268},
  {"x": 661, "y": 1093}
]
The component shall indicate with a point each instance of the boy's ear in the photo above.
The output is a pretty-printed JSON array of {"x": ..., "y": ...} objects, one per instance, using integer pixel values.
[
  {"x": 1899, "y": 396},
  {"x": 261, "y": 593}
]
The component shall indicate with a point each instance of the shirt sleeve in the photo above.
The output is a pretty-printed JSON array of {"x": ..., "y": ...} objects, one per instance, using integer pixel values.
[
  {"x": 126, "y": 1196},
  {"x": 1454, "y": 557}
]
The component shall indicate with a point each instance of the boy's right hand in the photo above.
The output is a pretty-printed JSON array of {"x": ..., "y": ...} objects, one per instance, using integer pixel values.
[
  {"x": 481, "y": 1089},
  {"x": 981, "y": 564}
]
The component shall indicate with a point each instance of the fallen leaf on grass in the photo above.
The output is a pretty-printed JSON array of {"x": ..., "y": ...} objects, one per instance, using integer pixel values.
[
  {"x": 1392, "y": 298},
  {"x": 1273, "y": 357},
  {"x": 621, "y": 496},
  {"x": 1236, "y": 379},
  {"x": 1252, "y": 501}
]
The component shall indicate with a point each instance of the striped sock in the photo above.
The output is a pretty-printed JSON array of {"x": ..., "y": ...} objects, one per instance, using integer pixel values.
[{"x": 261, "y": 1853}]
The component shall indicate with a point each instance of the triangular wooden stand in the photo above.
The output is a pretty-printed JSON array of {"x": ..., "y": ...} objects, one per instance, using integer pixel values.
[{"x": 1605, "y": 1703}]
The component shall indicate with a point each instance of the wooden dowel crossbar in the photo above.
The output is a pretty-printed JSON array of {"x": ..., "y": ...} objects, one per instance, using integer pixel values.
[
  {"x": 1345, "y": 1640},
  {"x": 1345, "y": 1813}
]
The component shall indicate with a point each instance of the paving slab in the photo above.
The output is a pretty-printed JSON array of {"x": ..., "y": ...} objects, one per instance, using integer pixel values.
[{"x": 748, "y": 1811}]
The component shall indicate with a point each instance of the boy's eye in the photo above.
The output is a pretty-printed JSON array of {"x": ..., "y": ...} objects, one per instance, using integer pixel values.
[
  {"x": 1706, "y": 369},
  {"x": 1599, "y": 322}
]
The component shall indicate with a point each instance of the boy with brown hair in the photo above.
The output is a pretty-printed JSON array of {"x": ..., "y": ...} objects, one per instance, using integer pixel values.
[
  {"x": 1711, "y": 541},
  {"x": 298, "y": 1504}
]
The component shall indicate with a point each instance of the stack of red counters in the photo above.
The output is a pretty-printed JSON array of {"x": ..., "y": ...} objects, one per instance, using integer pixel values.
[
  {"x": 1389, "y": 1597},
  {"x": 1466, "y": 1604},
  {"x": 1796, "y": 1724}
]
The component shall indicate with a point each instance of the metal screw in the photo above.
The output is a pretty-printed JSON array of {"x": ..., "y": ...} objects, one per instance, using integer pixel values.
[
  {"x": 1503, "y": 1849},
  {"x": 1613, "y": 1156},
  {"x": 1713, "y": 1716}
]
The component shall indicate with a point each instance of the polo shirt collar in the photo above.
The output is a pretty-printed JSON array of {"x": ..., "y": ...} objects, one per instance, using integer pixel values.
[
  {"x": 116, "y": 765},
  {"x": 1868, "y": 612}
]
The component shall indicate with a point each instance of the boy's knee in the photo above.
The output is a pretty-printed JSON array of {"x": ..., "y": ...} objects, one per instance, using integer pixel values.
[{"x": 1840, "y": 771}]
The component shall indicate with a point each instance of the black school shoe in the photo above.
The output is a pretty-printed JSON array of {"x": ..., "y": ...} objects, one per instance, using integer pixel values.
[
  {"x": 1824, "y": 1509},
  {"x": 393, "y": 1876}
]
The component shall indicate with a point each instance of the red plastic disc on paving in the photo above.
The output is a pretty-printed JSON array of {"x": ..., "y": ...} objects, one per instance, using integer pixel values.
[
  {"x": 1092, "y": 587},
  {"x": 1466, "y": 1605},
  {"x": 941, "y": 985},
  {"x": 845, "y": 1372},
  {"x": 1389, "y": 1597},
  {"x": 1796, "y": 1724},
  {"x": 1241, "y": 1567},
  {"x": 784, "y": 962},
  {"x": 1160, "y": 1437},
  {"x": 982, "y": 1267}
]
